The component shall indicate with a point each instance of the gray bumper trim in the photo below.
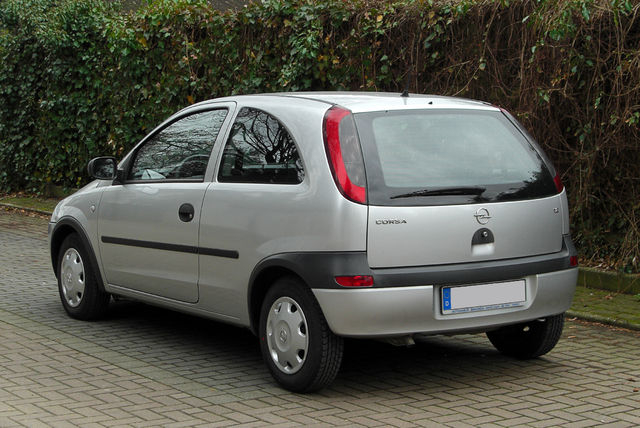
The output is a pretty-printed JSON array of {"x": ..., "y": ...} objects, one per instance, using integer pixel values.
[{"x": 319, "y": 269}]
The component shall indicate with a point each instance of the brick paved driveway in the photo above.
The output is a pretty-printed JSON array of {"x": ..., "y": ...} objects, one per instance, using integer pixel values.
[{"x": 147, "y": 367}]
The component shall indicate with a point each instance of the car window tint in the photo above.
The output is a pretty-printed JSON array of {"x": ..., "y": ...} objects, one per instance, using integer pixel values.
[
  {"x": 430, "y": 150},
  {"x": 179, "y": 151},
  {"x": 260, "y": 150},
  {"x": 449, "y": 150}
]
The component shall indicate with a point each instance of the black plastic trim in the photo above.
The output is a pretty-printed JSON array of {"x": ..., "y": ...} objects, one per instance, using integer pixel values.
[
  {"x": 230, "y": 254},
  {"x": 483, "y": 236},
  {"x": 149, "y": 244},
  {"x": 318, "y": 270}
]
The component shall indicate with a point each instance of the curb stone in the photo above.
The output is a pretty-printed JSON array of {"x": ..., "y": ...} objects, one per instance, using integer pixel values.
[
  {"x": 603, "y": 320},
  {"x": 33, "y": 210},
  {"x": 610, "y": 281}
]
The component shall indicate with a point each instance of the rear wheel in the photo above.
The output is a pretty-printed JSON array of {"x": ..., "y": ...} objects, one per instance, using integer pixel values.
[
  {"x": 77, "y": 284},
  {"x": 530, "y": 339},
  {"x": 301, "y": 352}
]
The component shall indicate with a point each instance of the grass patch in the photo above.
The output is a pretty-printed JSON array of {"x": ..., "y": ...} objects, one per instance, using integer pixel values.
[{"x": 30, "y": 202}]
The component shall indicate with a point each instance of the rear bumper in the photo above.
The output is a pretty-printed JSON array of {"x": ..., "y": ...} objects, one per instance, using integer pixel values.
[
  {"x": 407, "y": 300},
  {"x": 399, "y": 311}
]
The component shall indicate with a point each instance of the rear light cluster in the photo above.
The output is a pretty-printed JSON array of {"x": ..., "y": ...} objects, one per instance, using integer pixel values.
[
  {"x": 558, "y": 181},
  {"x": 345, "y": 155},
  {"x": 355, "y": 281},
  {"x": 347, "y": 166}
]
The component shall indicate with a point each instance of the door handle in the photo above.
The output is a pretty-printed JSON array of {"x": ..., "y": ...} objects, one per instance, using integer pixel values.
[
  {"x": 483, "y": 236},
  {"x": 186, "y": 212}
]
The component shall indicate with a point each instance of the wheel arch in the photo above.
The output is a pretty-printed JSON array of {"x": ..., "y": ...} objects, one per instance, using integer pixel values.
[
  {"x": 267, "y": 272},
  {"x": 61, "y": 230}
]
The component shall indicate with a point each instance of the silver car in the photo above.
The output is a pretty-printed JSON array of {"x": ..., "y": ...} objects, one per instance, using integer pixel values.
[{"x": 313, "y": 217}]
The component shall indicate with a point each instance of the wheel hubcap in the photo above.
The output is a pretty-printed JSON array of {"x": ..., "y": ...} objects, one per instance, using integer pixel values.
[
  {"x": 72, "y": 277},
  {"x": 287, "y": 337}
]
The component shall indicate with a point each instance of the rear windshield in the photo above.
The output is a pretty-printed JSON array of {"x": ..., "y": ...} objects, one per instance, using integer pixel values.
[{"x": 449, "y": 157}]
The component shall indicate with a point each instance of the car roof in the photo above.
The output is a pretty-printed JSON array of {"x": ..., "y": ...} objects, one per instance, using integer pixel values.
[
  {"x": 376, "y": 101},
  {"x": 359, "y": 102}
]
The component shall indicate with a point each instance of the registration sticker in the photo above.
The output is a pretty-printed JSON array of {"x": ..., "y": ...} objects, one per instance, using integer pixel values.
[{"x": 483, "y": 297}]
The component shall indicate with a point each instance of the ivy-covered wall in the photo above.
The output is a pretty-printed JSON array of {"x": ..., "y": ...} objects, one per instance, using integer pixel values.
[{"x": 79, "y": 78}]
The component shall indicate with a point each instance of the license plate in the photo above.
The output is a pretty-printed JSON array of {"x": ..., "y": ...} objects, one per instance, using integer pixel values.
[{"x": 483, "y": 297}]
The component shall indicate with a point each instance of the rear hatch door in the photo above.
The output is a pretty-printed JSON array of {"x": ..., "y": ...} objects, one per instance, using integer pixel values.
[
  {"x": 455, "y": 185},
  {"x": 434, "y": 235}
]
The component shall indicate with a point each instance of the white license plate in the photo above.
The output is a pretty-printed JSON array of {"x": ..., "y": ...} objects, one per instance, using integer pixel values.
[{"x": 483, "y": 297}]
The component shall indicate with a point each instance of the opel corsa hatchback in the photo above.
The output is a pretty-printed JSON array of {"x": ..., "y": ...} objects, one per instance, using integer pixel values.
[{"x": 313, "y": 217}]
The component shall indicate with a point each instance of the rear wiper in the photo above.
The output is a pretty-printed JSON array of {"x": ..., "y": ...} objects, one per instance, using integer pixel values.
[{"x": 445, "y": 191}]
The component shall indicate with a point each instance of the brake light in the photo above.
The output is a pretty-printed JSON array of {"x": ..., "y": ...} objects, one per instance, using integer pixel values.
[
  {"x": 573, "y": 260},
  {"x": 345, "y": 156},
  {"x": 355, "y": 281},
  {"x": 558, "y": 181}
]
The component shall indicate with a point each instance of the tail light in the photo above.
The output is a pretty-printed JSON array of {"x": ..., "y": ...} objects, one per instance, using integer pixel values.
[
  {"x": 559, "y": 183},
  {"x": 345, "y": 155}
]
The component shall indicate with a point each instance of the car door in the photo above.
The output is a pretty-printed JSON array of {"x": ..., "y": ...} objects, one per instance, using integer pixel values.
[
  {"x": 148, "y": 226},
  {"x": 250, "y": 209}
]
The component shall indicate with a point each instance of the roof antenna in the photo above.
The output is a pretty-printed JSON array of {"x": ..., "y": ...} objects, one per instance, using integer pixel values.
[{"x": 405, "y": 93}]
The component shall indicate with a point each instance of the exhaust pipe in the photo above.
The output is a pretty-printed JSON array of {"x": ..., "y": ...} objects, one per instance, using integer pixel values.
[{"x": 400, "y": 341}]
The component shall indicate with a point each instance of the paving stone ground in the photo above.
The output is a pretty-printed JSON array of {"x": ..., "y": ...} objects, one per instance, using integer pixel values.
[{"x": 148, "y": 367}]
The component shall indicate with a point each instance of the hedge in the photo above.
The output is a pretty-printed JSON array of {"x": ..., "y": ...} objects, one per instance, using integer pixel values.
[{"x": 80, "y": 78}]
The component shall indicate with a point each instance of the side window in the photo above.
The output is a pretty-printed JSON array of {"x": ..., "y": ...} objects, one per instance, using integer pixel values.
[
  {"x": 181, "y": 150},
  {"x": 260, "y": 150}
]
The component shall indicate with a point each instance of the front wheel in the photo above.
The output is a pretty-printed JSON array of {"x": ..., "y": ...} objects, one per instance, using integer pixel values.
[
  {"x": 77, "y": 284},
  {"x": 301, "y": 352},
  {"x": 529, "y": 339}
]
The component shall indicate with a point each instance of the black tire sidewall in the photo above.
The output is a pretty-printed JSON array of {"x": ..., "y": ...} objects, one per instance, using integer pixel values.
[{"x": 539, "y": 340}]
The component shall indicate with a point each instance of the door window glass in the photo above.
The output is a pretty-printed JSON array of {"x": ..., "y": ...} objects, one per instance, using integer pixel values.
[
  {"x": 179, "y": 151},
  {"x": 260, "y": 150}
]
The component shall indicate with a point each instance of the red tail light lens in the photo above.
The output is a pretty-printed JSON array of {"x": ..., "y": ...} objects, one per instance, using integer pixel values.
[
  {"x": 559, "y": 184},
  {"x": 355, "y": 281},
  {"x": 343, "y": 149},
  {"x": 573, "y": 260}
]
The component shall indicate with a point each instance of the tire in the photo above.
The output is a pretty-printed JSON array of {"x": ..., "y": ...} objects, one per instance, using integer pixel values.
[
  {"x": 530, "y": 339},
  {"x": 300, "y": 350},
  {"x": 81, "y": 297}
]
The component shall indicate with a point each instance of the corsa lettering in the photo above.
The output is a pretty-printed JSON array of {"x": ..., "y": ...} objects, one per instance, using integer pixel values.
[{"x": 391, "y": 221}]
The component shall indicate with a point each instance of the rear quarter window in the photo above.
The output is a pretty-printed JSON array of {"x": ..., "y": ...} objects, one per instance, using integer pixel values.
[
  {"x": 411, "y": 153},
  {"x": 260, "y": 149}
]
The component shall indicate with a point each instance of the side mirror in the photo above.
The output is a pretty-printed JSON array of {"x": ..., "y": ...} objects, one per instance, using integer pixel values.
[{"x": 103, "y": 168}]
